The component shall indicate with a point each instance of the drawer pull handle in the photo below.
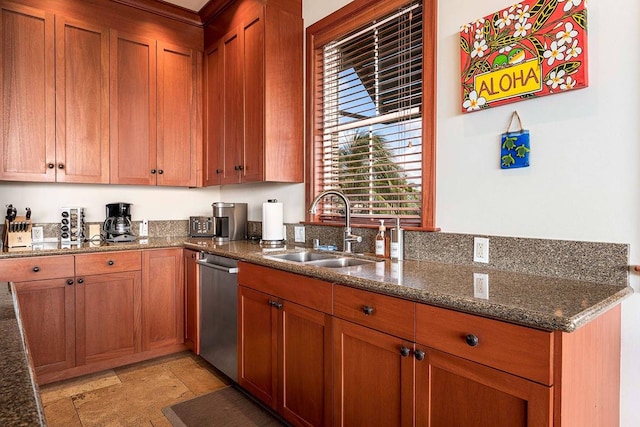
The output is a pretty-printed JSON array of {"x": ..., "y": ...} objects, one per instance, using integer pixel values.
[
  {"x": 36, "y": 269},
  {"x": 110, "y": 262},
  {"x": 420, "y": 354},
  {"x": 471, "y": 340},
  {"x": 405, "y": 351},
  {"x": 81, "y": 281},
  {"x": 367, "y": 310},
  {"x": 69, "y": 282}
]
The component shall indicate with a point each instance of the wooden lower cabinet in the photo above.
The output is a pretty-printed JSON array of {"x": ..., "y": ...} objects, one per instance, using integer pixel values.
[
  {"x": 107, "y": 316},
  {"x": 373, "y": 377},
  {"x": 285, "y": 357},
  {"x": 90, "y": 312},
  {"x": 162, "y": 298},
  {"x": 48, "y": 312},
  {"x": 192, "y": 301},
  {"x": 451, "y": 391}
]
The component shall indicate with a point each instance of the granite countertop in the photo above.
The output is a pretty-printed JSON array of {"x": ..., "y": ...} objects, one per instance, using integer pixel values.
[
  {"x": 541, "y": 302},
  {"x": 19, "y": 399}
]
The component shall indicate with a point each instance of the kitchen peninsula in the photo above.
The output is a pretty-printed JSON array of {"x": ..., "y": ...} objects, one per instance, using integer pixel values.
[{"x": 559, "y": 309}]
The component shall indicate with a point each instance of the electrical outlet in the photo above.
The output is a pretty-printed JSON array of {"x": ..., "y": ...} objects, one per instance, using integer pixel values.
[
  {"x": 481, "y": 249},
  {"x": 144, "y": 228},
  {"x": 299, "y": 234},
  {"x": 481, "y": 285},
  {"x": 37, "y": 234}
]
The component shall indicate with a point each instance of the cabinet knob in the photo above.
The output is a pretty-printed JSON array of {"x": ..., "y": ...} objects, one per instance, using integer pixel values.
[
  {"x": 240, "y": 167},
  {"x": 367, "y": 310},
  {"x": 36, "y": 269},
  {"x": 160, "y": 171},
  {"x": 69, "y": 282},
  {"x": 153, "y": 171},
  {"x": 275, "y": 304},
  {"x": 405, "y": 351},
  {"x": 471, "y": 340},
  {"x": 81, "y": 281},
  {"x": 60, "y": 166},
  {"x": 110, "y": 262},
  {"x": 236, "y": 167},
  {"x": 420, "y": 354},
  {"x": 218, "y": 171},
  {"x": 51, "y": 165}
]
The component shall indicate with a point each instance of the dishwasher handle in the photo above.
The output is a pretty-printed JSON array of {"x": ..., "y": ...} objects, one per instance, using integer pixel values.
[{"x": 230, "y": 270}]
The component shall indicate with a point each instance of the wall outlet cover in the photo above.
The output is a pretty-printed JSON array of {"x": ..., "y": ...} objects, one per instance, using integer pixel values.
[
  {"x": 481, "y": 285},
  {"x": 299, "y": 234},
  {"x": 37, "y": 234}
]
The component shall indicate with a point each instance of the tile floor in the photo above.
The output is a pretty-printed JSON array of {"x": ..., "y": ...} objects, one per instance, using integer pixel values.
[{"x": 132, "y": 395}]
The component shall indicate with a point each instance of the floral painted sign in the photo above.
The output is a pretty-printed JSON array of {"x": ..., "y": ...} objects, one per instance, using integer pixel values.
[{"x": 530, "y": 49}]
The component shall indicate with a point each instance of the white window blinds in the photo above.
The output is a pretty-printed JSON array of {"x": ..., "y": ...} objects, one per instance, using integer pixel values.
[{"x": 371, "y": 99}]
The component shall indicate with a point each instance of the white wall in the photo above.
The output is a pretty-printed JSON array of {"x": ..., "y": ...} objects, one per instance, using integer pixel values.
[{"x": 583, "y": 183}]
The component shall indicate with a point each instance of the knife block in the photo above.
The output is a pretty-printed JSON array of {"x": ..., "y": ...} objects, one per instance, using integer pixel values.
[{"x": 16, "y": 239}]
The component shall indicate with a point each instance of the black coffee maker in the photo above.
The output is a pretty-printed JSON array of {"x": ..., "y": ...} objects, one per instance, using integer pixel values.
[{"x": 117, "y": 226}]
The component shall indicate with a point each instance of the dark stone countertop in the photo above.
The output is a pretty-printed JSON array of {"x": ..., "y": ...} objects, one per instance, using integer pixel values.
[
  {"x": 540, "y": 302},
  {"x": 19, "y": 399}
]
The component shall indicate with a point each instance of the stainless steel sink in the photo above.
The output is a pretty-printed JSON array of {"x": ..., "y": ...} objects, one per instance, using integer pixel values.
[
  {"x": 320, "y": 259},
  {"x": 303, "y": 256},
  {"x": 340, "y": 262}
]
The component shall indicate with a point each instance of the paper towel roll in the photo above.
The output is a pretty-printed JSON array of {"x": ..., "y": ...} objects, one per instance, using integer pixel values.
[{"x": 272, "y": 221}]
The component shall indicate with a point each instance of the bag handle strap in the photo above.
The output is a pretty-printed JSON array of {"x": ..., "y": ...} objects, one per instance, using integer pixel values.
[{"x": 515, "y": 114}]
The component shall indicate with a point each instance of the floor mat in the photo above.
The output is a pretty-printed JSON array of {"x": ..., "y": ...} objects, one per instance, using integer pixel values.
[{"x": 224, "y": 407}]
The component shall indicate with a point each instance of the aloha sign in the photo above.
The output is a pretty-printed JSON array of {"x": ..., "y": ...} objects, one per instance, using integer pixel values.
[{"x": 530, "y": 49}]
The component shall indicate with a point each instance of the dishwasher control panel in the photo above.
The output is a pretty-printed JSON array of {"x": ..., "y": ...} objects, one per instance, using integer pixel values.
[{"x": 201, "y": 226}]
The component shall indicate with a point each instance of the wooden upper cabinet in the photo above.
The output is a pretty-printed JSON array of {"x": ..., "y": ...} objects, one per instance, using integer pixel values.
[
  {"x": 213, "y": 113},
  {"x": 133, "y": 109},
  {"x": 177, "y": 116},
  {"x": 255, "y": 132},
  {"x": 27, "y": 93},
  {"x": 154, "y": 114},
  {"x": 82, "y": 102}
]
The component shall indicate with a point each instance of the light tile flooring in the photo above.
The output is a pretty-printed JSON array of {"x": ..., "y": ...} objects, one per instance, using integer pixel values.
[{"x": 133, "y": 395}]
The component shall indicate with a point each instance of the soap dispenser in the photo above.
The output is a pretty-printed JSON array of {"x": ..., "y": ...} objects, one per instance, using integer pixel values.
[
  {"x": 397, "y": 243},
  {"x": 382, "y": 241}
]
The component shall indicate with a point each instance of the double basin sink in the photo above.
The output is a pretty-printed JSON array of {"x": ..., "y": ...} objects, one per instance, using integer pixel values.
[{"x": 321, "y": 259}]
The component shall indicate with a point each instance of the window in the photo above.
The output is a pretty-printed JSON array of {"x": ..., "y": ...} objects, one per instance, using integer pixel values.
[{"x": 370, "y": 115}]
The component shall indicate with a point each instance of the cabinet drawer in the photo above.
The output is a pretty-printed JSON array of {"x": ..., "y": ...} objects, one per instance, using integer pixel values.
[
  {"x": 303, "y": 290},
  {"x": 36, "y": 268},
  {"x": 107, "y": 262},
  {"x": 511, "y": 348},
  {"x": 394, "y": 316}
]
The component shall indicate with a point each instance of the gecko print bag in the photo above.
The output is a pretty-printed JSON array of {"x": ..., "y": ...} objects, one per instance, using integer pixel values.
[{"x": 514, "y": 146}]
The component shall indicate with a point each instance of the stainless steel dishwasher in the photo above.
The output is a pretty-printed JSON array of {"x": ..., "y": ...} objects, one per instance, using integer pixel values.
[{"x": 219, "y": 313}]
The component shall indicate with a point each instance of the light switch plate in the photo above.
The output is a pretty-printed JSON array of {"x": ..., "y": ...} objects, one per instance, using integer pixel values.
[{"x": 298, "y": 233}]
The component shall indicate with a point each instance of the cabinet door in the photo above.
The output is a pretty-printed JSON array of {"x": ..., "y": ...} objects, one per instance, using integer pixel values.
[
  {"x": 47, "y": 309},
  {"x": 451, "y": 391},
  {"x": 373, "y": 381},
  {"x": 27, "y": 93},
  {"x": 253, "y": 57},
  {"x": 304, "y": 386},
  {"x": 132, "y": 109},
  {"x": 257, "y": 335},
  {"x": 107, "y": 316},
  {"x": 177, "y": 116},
  {"x": 192, "y": 301},
  {"x": 82, "y": 102},
  {"x": 233, "y": 118},
  {"x": 214, "y": 114},
  {"x": 162, "y": 298}
]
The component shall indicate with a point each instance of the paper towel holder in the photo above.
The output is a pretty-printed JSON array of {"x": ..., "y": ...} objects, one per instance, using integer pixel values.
[{"x": 272, "y": 218}]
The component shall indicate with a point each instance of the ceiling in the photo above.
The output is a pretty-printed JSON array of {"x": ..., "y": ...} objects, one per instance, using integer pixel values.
[{"x": 194, "y": 5}]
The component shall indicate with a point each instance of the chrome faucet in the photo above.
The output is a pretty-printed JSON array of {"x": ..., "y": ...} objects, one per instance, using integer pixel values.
[{"x": 348, "y": 238}]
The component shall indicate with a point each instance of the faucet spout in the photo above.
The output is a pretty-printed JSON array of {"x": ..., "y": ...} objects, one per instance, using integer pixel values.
[{"x": 348, "y": 238}]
